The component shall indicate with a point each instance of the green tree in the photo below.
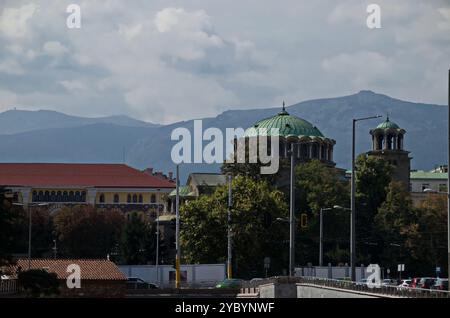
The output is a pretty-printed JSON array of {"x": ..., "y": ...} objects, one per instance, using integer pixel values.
[
  {"x": 256, "y": 233},
  {"x": 38, "y": 282},
  {"x": 86, "y": 232},
  {"x": 10, "y": 229},
  {"x": 427, "y": 236},
  {"x": 319, "y": 186},
  {"x": 137, "y": 243},
  {"x": 392, "y": 223},
  {"x": 373, "y": 176}
]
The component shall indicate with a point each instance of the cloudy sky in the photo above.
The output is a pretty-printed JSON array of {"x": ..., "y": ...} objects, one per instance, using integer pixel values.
[{"x": 165, "y": 61}]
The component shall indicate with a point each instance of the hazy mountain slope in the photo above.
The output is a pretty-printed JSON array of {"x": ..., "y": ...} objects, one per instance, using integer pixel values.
[
  {"x": 426, "y": 127},
  {"x": 17, "y": 121}
]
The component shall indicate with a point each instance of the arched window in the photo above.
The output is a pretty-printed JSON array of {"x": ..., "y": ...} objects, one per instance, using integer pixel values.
[
  {"x": 129, "y": 198},
  {"x": 134, "y": 198},
  {"x": 116, "y": 198},
  {"x": 153, "y": 198},
  {"x": 102, "y": 198},
  {"x": 41, "y": 196},
  {"x": 140, "y": 198},
  {"x": 65, "y": 197},
  {"x": 35, "y": 196},
  {"x": 77, "y": 196},
  {"x": 59, "y": 196},
  {"x": 400, "y": 142},
  {"x": 71, "y": 197},
  {"x": 47, "y": 196},
  {"x": 53, "y": 196},
  {"x": 83, "y": 196}
]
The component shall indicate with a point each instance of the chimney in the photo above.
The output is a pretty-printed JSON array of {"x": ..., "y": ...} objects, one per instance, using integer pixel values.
[
  {"x": 149, "y": 171},
  {"x": 170, "y": 175}
]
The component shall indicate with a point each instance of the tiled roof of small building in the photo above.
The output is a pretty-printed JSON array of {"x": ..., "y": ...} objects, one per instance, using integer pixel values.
[{"x": 91, "y": 269}]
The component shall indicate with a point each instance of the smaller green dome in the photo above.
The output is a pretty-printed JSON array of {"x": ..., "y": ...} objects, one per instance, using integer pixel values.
[{"x": 388, "y": 125}]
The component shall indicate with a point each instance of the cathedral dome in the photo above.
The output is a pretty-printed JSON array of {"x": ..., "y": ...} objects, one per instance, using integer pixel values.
[{"x": 287, "y": 125}]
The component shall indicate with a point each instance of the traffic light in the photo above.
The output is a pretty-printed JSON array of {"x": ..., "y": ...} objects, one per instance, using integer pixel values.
[{"x": 303, "y": 220}]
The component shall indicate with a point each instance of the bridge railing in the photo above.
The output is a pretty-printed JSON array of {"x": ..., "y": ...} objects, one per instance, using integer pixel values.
[{"x": 396, "y": 291}]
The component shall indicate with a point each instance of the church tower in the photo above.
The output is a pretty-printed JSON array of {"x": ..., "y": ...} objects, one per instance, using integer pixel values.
[{"x": 388, "y": 144}]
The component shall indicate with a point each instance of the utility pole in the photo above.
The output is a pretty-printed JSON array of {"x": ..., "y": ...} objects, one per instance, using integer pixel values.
[
  {"x": 292, "y": 216},
  {"x": 321, "y": 234},
  {"x": 157, "y": 246},
  {"x": 448, "y": 183},
  {"x": 229, "y": 261},
  {"x": 177, "y": 231}
]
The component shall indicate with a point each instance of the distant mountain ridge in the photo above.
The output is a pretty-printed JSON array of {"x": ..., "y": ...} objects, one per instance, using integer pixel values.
[
  {"x": 17, "y": 121},
  {"x": 142, "y": 145}
]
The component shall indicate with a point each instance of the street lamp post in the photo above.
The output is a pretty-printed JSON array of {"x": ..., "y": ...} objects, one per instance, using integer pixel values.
[
  {"x": 292, "y": 216},
  {"x": 352, "y": 203},
  {"x": 177, "y": 231},
  {"x": 29, "y": 226},
  {"x": 448, "y": 183},
  {"x": 321, "y": 234},
  {"x": 157, "y": 246},
  {"x": 229, "y": 258}
]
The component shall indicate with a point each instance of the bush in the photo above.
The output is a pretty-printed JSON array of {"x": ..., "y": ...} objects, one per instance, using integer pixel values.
[{"x": 38, "y": 282}]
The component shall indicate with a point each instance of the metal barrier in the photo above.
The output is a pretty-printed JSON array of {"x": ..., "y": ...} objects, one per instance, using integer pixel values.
[
  {"x": 383, "y": 290},
  {"x": 9, "y": 287},
  {"x": 395, "y": 291}
]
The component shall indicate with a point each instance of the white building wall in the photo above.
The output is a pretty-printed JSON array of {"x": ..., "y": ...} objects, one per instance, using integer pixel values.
[{"x": 198, "y": 274}]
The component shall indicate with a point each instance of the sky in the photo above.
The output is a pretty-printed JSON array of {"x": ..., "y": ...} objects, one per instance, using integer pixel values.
[{"x": 164, "y": 61}]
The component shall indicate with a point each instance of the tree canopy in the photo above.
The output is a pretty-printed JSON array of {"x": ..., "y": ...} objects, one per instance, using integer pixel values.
[{"x": 256, "y": 232}]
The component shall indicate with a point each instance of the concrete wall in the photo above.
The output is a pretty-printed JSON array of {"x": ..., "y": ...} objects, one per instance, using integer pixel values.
[
  {"x": 305, "y": 291},
  {"x": 278, "y": 291},
  {"x": 290, "y": 290}
]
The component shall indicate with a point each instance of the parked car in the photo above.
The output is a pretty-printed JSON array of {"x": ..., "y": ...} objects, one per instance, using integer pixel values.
[
  {"x": 415, "y": 282},
  {"x": 255, "y": 280},
  {"x": 440, "y": 284},
  {"x": 405, "y": 283},
  {"x": 362, "y": 282},
  {"x": 426, "y": 282},
  {"x": 230, "y": 283},
  {"x": 138, "y": 283},
  {"x": 389, "y": 282}
]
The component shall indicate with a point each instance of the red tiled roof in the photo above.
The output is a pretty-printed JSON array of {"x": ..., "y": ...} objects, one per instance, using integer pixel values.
[
  {"x": 90, "y": 269},
  {"x": 78, "y": 175}
]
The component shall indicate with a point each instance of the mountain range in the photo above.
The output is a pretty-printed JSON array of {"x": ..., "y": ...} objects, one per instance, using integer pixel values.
[{"x": 49, "y": 136}]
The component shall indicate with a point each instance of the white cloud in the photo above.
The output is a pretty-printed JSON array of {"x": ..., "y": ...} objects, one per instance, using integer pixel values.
[
  {"x": 54, "y": 48},
  {"x": 7, "y": 100},
  {"x": 187, "y": 59},
  {"x": 360, "y": 68},
  {"x": 14, "y": 21},
  {"x": 10, "y": 66}
]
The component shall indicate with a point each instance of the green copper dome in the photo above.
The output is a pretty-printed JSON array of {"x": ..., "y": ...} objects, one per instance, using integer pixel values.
[
  {"x": 388, "y": 125},
  {"x": 288, "y": 125}
]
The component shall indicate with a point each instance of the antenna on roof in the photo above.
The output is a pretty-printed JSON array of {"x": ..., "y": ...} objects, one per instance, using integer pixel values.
[{"x": 284, "y": 108}]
